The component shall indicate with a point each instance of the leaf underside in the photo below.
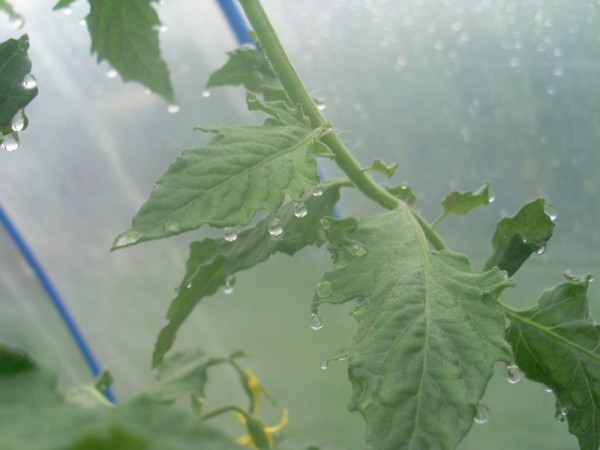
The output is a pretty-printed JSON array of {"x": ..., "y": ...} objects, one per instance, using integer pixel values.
[
  {"x": 125, "y": 34},
  {"x": 240, "y": 172},
  {"x": 212, "y": 260},
  {"x": 462, "y": 202},
  {"x": 429, "y": 332},
  {"x": 557, "y": 343},
  {"x": 14, "y": 66}
]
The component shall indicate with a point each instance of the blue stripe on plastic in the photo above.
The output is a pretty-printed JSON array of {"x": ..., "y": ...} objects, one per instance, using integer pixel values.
[
  {"x": 54, "y": 296},
  {"x": 237, "y": 21}
]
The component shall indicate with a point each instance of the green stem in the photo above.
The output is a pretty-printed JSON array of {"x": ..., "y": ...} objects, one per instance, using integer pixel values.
[
  {"x": 298, "y": 95},
  {"x": 224, "y": 410}
]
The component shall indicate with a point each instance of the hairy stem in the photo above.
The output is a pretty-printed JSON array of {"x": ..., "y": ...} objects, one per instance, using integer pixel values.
[{"x": 298, "y": 95}]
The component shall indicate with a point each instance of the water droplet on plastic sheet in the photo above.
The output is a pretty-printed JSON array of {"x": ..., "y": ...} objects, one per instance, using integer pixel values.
[
  {"x": 548, "y": 390},
  {"x": 321, "y": 106},
  {"x": 16, "y": 21},
  {"x": 206, "y": 93},
  {"x": 482, "y": 415},
  {"x": 324, "y": 364},
  {"x": 513, "y": 374},
  {"x": 275, "y": 228},
  {"x": 315, "y": 321},
  {"x": 541, "y": 250},
  {"x": 29, "y": 82},
  {"x": 230, "y": 235},
  {"x": 317, "y": 191},
  {"x": 67, "y": 11},
  {"x": 173, "y": 109},
  {"x": 300, "y": 210},
  {"x": 112, "y": 73},
  {"x": 324, "y": 289}
]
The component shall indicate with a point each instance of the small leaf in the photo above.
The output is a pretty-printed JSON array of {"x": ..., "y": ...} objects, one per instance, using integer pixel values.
[
  {"x": 182, "y": 374},
  {"x": 462, "y": 202},
  {"x": 7, "y": 8},
  {"x": 380, "y": 167},
  {"x": 557, "y": 343},
  {"x": 62, "y": 4},
  {"x": 124, "y": 33},
  {"x": 241, "y": 171},
  {"x": 15, "y": 66},
  {"x": 248, "y": 67},
  {"x": 14, "y": 362},
  {"x": 212, "y": 260},
  {"x": 516, "y": 238},
  {"x": 429, "y": 333},
  {"x": 403, "y": 192}
]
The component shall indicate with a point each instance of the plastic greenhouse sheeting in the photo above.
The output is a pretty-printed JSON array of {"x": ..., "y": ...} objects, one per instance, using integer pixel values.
[{"x": 457, "y": 92}]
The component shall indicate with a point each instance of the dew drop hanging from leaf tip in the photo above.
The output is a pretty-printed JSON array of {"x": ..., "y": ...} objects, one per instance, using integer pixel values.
[{"x": 315, "y": 321}]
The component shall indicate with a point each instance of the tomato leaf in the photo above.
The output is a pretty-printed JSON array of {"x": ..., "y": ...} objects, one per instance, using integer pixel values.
[
  {"x": 516, "y": 238},
  {"x": 462, "y": 202},
  {"x": 125, "y": 34},
  {"x": 212, "y": 261},
  {"x": 557, "y": 343},
  {"x": 429, "y": 332},
  {"x": 240, "y": 172}
]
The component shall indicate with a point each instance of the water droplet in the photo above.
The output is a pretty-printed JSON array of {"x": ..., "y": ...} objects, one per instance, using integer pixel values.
[
  {"x": 321, "y": 106},
  {"x": 10, "y": 142},
  {"x": 550, "y": 211},
  {"x": 324, "y": 289},
  {"x": 206, "y": 93},
  {"x": 112, "y": 73},
  {"x": 128, "y": 238},
  {"x": 172, "y": 227},
  {"x": 401, "y": 62},
  {"x": 561, "y": 414},
  {"x": 505, "y": 273},
  {"x": 173, "y": 109},
  {"x": 16, "y": 21},
  {"x": 230, "y": 235},
  {"x": 438, "y": 45},
  {"x": 317, "y": 191},
  {"x": 514, "y": 62},
  {"x": 551, "y": 90},
  {"x": 558, "y": 52},
  {"x": 482, "y": 415},
  {"x": 161, "y": 28},
  {"x": 18, "y": 121},
  {"x": 358, "y": 250},
  {"x": 229, "y": 282},
  {"x": 189, "y": 285},
  {"x": 513, "y": 374},
  {"x": 29, "y": 82},
  {"x": 548, "y": 390},
  {"x": 315, "y": 321},
  {"x": 67, "y": 11},
  {"x": 324, "y": 223},
  {"x": 300, "y": 210},
  {"x": 457, "y": 26},
  {"x": 541, "y": 250},
  {"x": 557, "y": 71},
  {"x": 324, "y": 364},
  {"x": 275, "y": 228}
]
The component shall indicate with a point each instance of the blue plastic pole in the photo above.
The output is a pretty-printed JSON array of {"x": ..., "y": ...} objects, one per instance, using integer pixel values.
[
  {"x": 237, "y": 21},
  {"x": 54, "y": 296}
]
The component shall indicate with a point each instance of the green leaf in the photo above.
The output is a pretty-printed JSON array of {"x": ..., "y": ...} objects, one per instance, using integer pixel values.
[
  {"x": 557, "y": 343},
  {"x": 33, "y": 415},
  {"x": 92, "y": 394},
  {"x": 241, "y": 171},
  {"x": 380, "y": 167},
  {"x": 247, "y": 66},
  {"x": 125, "y": 34},
  {"x": 17, "y": 88},
  {"x": 212, "y": 262},
  {"x": 14, "y": 362},
  {"x": 516, "y": 238},
  {"x": 182, "y": 374},
  {"x": 403, "y": 192},
  {"x": 429, "y": 332},
  {"x": 62, "y": 4},
  {"x": 462, "y": 202},
  {"x": 6, "y": 7}
]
